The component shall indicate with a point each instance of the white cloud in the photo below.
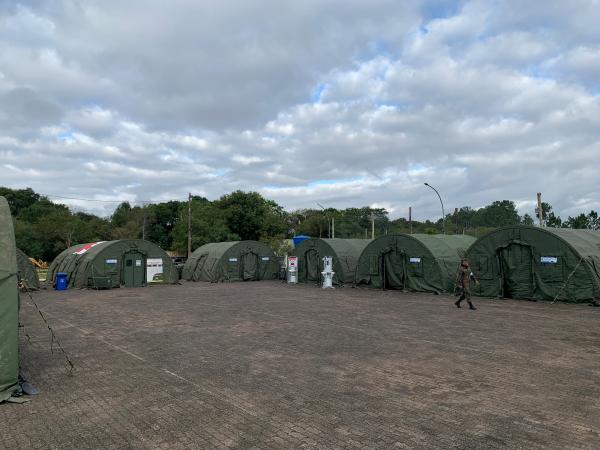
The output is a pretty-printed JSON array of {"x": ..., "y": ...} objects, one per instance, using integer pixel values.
[{"x": 345, "y": 103}]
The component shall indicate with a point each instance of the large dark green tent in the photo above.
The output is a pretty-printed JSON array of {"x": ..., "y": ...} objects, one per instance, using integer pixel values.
[
  {"x": 345, "y": 253},
  {"x": 535, "y": 263},
  {"x": 415, "y": 262},
  {"x": 9, "y": 306},
  {"x": 27, "y": 271},
  {"x": 109, "y": 264},
  {"x": 231, "y": 261}
]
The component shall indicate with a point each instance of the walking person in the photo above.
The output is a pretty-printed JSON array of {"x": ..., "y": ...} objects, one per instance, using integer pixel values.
[{"x": 463, "y": 283}]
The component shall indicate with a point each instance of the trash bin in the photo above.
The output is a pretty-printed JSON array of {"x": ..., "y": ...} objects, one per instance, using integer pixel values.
[{"x": 60, "y": 283}]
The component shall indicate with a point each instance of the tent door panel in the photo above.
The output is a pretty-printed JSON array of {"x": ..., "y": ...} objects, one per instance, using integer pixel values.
[
  {"x": 197, "y": 275},
  {"x": 312, "y": 266},
  {"x": 517, "y": 271},
  {"x": 134, "y": 269},
  {"x": 373, "y": 265},
  {"x": 232, "y": 270},
  {"x": 393, "y": 270},
  {"x": 249, "y": 267}
]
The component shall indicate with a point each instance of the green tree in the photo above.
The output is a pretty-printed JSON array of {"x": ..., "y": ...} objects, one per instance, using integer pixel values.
[
  {"x": 250, "y": 216},
  {"x": 19, "y": 199},
  {"x": 208, "y": 225},
  {"x": 160, "y": 222},
  {"x": 527, "y": 220},
  {"x": 578, "y": 222},
  {"x": 497, "y": 214},
  {"x": 593, "y": 220},
  {"x": 549, "y": 219}
]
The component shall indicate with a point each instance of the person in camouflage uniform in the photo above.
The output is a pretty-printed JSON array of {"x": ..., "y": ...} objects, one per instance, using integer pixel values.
[{"x": 463, "y": 283}]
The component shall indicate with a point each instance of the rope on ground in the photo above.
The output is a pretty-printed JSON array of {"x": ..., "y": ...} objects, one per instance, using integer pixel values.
[
  {"x": 53, "y": 336},
  {"x": 566, "y": 281}
]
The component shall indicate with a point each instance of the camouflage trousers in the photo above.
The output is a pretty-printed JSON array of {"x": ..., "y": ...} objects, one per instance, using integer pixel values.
[{"x": 465, "y": 294}]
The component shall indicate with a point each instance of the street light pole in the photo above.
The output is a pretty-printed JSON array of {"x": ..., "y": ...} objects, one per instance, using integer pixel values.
[
  {"x": 328, "y": 221},
  {"x": 443, "y": 213}
]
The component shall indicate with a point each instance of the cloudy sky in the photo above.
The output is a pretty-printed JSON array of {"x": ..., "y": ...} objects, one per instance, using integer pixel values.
[{"x": 345, "y": 103}]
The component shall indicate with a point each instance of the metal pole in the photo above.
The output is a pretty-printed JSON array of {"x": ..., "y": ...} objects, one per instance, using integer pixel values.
[
  {"x": 328, "y": 220},
  {"x": 189, "y": 249},
  {"x": 332, "y": 227},
  {"x": 410, "y": 218},
  {"x": 443, "y": 213},
  {"x": 540, "y": 212}
]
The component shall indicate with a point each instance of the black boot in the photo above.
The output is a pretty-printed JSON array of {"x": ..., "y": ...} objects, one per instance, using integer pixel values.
[
  {"x": 471, "y": 306},
  {"x": 457, "y": 303}
]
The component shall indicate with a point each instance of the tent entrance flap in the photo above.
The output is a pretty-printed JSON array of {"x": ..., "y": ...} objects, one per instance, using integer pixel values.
[
  {"x": 134, "y": 269},
  {"x": 311, "y": 266},
  {"x": 249, "y": 266},
  {"x": 199, "y": 267},
  {"x": 393, "y": 270},
  {"x": 9, "y": 306},
  {"x": 516, "y": 265}
]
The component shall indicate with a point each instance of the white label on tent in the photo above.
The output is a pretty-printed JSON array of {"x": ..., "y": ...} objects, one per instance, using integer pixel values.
[
  {"x": 232, "y": 259},
  {"x": 111, "y": 261},
  {"x": 415, "y": 260},
  {"x": 265, "y": 258},
  {"x": 549, "y": 259},
  {"x": 138, "y": 263},
  {"x": 154, "y": 266}
]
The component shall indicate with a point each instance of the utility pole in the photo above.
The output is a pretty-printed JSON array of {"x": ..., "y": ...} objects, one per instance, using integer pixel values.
[
  {"x": 332, "y": 227},
  {"x": 410, "y": 218},
  {"x": 144, "y": 226},
  {"x": 189, "y": 252},
  {"x": 540, "y": 211},
  {"x": 372, "y": 226}
]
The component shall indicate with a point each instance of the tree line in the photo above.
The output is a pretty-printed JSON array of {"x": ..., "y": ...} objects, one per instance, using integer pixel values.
[{"x": 44, "y": 228}]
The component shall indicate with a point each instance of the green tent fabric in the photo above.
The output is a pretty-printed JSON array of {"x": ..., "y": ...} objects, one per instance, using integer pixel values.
[
  {"x": 415, "y": 262},
  {"x": 111, "y": 264},
  {"x": 533, "y": 263},
  {"x": 345, "y": 253},
  {"x": 27, "y": 271},
  {"x": 231, "y": 261},
  {"x": 9, "y": 306}
]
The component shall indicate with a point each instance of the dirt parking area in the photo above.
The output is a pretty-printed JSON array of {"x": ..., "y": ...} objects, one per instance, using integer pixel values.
[{"x": 267, "y": 365}]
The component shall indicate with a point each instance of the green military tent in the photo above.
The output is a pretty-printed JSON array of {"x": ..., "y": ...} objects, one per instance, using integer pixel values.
[
  {"x": 231, "y": 261},
  {"x": 110, "y": 264},
  {"x": 9, "y": 306},
  {"x": 27, "y": 271},
  {"x": 535, "y": 263},
  {"x": 345, "y": 254},
  {"x": 415, "y": 262}
]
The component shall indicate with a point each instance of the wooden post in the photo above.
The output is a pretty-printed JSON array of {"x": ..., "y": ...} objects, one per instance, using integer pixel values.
[
  {"x": 332, "y": 227},
  {"x": 372, "y": 226},
  {"x": 189, "y": 249},
  {"x": 540, "y": 211},
  {"x": 410, "y": 218}
]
